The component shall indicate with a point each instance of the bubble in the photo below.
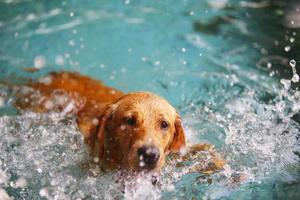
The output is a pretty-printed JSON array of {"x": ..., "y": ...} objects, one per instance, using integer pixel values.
[
  {"x": 127, "y": 1},
  {"x": 71, "y": 14},
  {"x": 39, "y": 62},
  {"x": 292, "y": 39},
  {"x": 183, "y": 49}
]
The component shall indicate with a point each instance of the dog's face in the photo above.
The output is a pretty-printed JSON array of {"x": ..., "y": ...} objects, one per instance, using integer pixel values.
[{"x": 137, "y": 131}]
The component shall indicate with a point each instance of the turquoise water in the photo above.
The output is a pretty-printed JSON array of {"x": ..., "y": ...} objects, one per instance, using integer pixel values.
[{"x": 225, "y": 65}]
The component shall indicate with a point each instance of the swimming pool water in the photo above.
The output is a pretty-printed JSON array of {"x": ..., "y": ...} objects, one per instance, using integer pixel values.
[{"x": 224, "y": 64}]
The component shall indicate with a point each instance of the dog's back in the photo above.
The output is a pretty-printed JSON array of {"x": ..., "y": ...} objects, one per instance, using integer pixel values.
[{"x": 68, "y": 92}]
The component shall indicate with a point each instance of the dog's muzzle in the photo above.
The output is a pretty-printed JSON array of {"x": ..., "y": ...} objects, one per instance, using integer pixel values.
[{"x": 148, "y": 156}]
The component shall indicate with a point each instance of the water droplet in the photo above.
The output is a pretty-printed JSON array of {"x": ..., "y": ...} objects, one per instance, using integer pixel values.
[
  {"x": 96, "y": 160},
  {"x": 67, "y": 55},
  {"x": 295, "y": 78},
  {"x": 39, "y": 62},
  {"x": 49, "y": 105},
  {"x": 286, "y": 83},
  {"x": 292, "y": 39},
  {"x": 43, "y": 192},
  {"x": 141, "y": 164},
  {"x": 292, "y": 63},
  {"x": 72, "y": 43},
  {"x": 30, "y": 16},
  {"x": 95, "y": 121},
  {"x": 123, "y": 127},
  {"x": 287, "y": 48},
  {"x": 59, "y": 60}
]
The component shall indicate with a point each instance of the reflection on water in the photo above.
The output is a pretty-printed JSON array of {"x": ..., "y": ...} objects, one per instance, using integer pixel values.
[{"x": 230, "y": 67}]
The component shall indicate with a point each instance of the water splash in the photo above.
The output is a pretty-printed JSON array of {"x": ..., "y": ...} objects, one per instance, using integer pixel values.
[{"x": 295, "y": 78}]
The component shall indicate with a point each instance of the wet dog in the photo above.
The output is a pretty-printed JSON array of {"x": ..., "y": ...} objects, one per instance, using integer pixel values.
[{"x": 130, "y": 131}]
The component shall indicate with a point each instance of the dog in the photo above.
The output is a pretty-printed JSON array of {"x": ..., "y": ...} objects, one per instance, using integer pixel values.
[{"x": 134, "y": 131}]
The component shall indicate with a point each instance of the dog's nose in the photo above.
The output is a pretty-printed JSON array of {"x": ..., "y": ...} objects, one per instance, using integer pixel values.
[{"x": 148, "y": 156}]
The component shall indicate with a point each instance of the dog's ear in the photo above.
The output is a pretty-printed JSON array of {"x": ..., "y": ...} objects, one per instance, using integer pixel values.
[
  {"x": 179, "y": 136},
  {"x": 108, "y": 113}
]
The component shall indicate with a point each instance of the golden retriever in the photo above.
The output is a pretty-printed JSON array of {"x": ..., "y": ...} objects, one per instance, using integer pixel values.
[{"x": 130, "y": 131}]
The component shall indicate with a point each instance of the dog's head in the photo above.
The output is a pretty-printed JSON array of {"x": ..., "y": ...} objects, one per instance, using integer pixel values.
[{"x": 137, "y": 131}]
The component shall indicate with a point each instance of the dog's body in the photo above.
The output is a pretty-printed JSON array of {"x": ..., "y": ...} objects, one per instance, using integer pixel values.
[
  {"x": 130, "y": 131},
  {"x": 72, "y": 93}
]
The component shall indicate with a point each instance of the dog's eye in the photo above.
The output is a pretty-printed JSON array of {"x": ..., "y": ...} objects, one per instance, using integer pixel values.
[
  {"x": 131, "y": 121},
  {"x": 164, "y": 125}
]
